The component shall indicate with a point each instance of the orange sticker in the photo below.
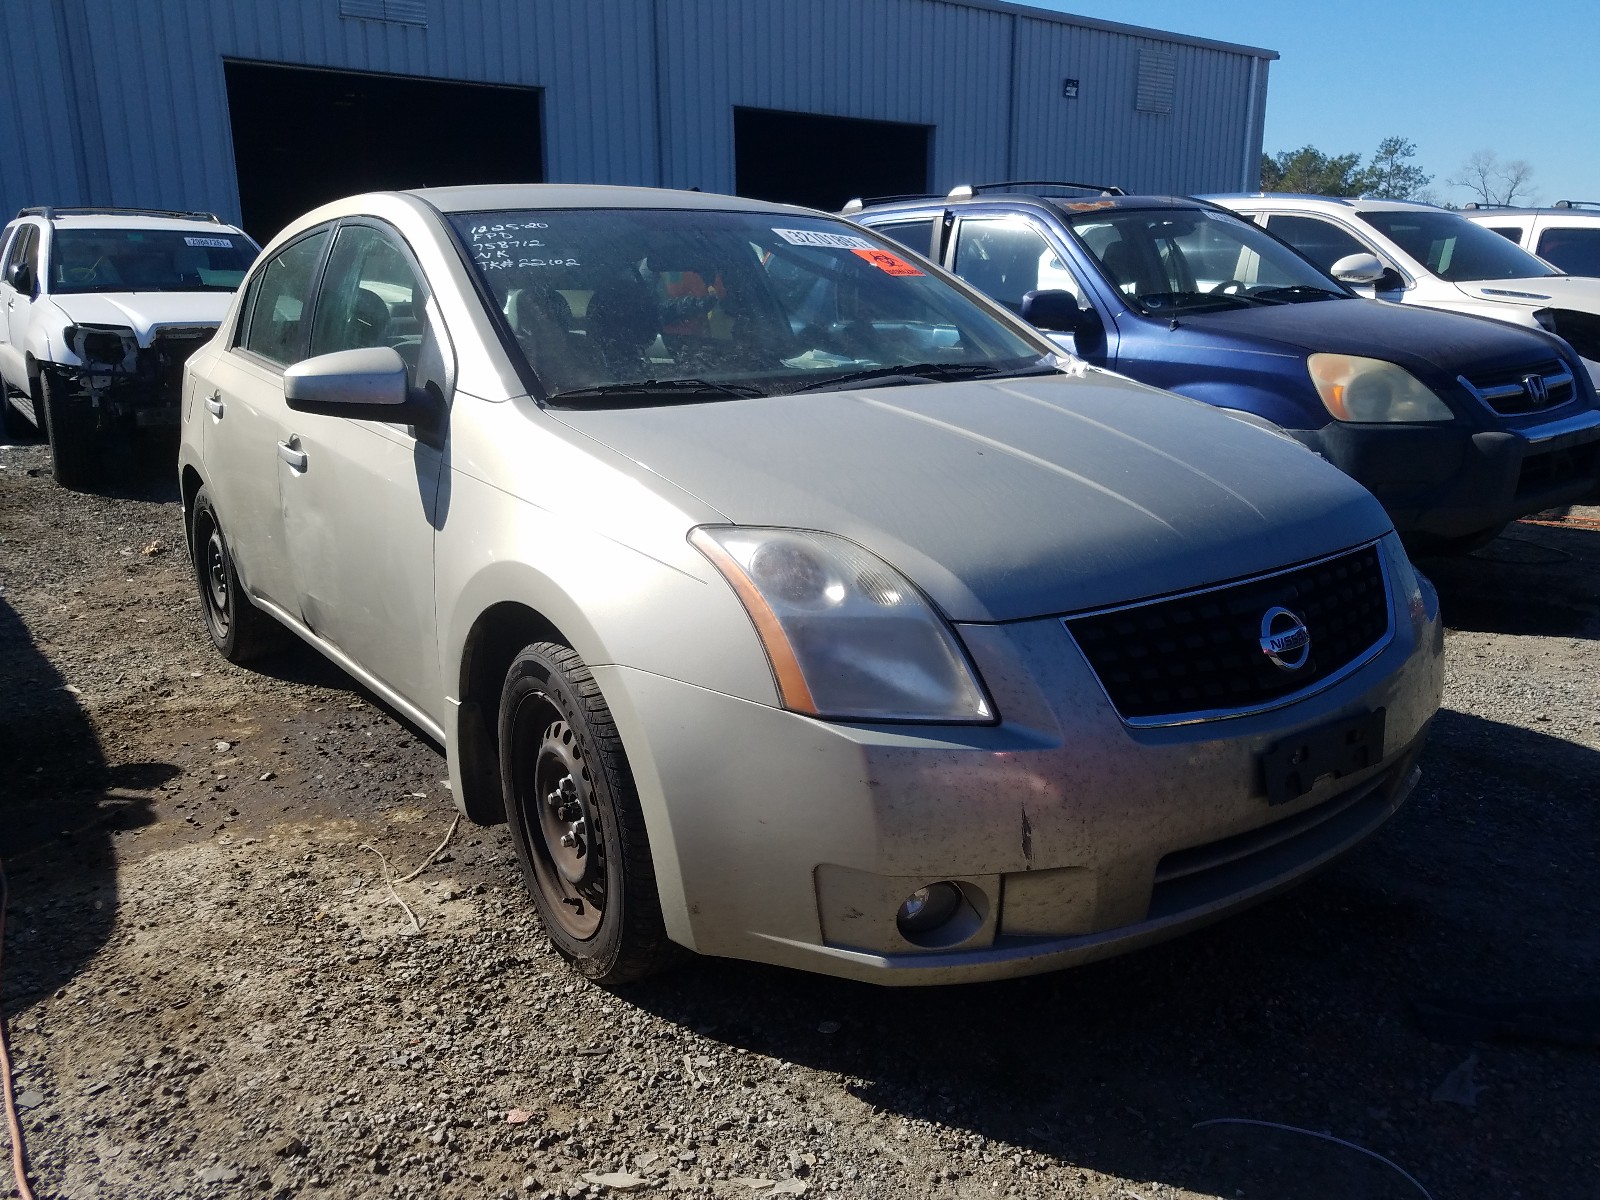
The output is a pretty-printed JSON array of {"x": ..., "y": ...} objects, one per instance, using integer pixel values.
[{"x": 889, "y": 264}]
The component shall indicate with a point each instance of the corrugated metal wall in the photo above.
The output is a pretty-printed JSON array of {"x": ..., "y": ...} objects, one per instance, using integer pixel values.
[{"x": 109, "y": 102}]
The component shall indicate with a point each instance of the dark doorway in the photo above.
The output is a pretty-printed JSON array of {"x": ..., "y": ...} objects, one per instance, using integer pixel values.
[
  {"x": 302, "y": 137},
  {"x": 821, "y": 162}
]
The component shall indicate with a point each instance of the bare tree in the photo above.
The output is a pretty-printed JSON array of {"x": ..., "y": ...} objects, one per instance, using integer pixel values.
[{"x": 1493, "y": 181}]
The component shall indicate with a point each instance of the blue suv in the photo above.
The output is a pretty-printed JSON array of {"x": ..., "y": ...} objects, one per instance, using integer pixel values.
[{"x": 1458, "y": 425}]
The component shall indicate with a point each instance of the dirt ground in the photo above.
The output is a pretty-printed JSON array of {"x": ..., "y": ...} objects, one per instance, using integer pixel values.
[{"x": 212, "y": 991}]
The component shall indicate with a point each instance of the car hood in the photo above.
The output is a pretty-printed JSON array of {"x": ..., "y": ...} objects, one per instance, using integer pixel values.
[
  {"x": 1414, "y": 337},
  {"x": 144, "y": 312},
  {"x": 1013, "y": 499},
  {"x": 1578, "y": 292}
]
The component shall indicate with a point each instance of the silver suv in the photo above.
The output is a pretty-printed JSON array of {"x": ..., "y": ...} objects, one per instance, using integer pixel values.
[
  {"x": 1566, "y": 235},
  {"x": 99, "y": 308},
  {"x": 791, "y": 601}
]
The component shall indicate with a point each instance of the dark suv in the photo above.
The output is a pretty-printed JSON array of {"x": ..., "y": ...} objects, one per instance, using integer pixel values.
[{"x": 1457, "y": 424}]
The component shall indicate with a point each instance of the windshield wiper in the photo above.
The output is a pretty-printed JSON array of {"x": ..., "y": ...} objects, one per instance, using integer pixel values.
[
  {"x": 917, "y": 372},
  {"x": 1303, "y": 290},
  {"x": 648, "y": 389}
]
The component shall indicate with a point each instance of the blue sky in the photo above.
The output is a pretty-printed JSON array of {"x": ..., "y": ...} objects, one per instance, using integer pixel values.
[{"x": 1521, "y": 79}]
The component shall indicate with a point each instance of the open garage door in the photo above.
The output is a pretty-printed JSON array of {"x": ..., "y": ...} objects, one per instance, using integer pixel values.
[
  {"x": 302, "y": 137},
  {"x": 800, "y": 158}
]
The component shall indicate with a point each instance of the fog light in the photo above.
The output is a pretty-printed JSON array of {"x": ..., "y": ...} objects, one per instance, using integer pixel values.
[{"x": 927, "y": 908}]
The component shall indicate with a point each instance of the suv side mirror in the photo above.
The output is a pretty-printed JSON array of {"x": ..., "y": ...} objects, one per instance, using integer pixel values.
[
  {"x": 1358, "y": 269},
  {"x": 1053, "y": 310},
  {"x": 20, "y": 276}
]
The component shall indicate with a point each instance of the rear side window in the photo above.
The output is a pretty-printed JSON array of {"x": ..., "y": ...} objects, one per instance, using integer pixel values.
[
  {"x": 280, "y": 299},
  {"x": 1512, "y": 233},
  {"x": 1323, "y": 242},
  {"x": 1575, "y": 251},
  {"x": 913, "y": 235}
]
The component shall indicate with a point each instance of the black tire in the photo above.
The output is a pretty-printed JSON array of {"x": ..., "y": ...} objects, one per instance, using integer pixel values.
[
  {"x": 70, "y": 429},
  {"x": 563, "y": 773},
  {"x": 239, "y": 630}
]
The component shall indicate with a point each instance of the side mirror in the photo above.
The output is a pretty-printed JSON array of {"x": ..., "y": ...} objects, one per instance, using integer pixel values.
[
  {"x": 1053, "y": 310},
  {"x": 1359, "y": 269},
  {"x": 20, "y": 276},
  {"x": 368, "y": 385}
]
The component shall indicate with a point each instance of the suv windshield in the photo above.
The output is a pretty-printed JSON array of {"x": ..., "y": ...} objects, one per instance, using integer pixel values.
[
  {"x": 1453, "y": 248},
  {"x": 147, "y": 260},
  {"x": 638, "y": 304},
  {"x": 1169, "y": 260}
]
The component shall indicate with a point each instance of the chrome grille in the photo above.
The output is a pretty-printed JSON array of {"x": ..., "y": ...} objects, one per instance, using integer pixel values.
[
  {"x": 1199, "y": 655},
  {"x": 1533, "y": 388}
]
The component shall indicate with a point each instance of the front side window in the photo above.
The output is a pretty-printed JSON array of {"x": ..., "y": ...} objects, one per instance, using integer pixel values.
[
  {"x": 1453, "y": 248},
  {"x": 608, "y": 301},
  {"x": 148, "y": 260},
  {"x": 25, "y": 249},
  {"x": 1177, "y": 259},
  {"x": 280, "y": 299},
  {"x": 1575, "y": 251},
  {"x": 371, "y": 296},
  {"x": 1323, "y": 242},
  {"x": 1006, "y": 258}
]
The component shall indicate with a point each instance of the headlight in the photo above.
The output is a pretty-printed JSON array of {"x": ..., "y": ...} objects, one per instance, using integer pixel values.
[
  {"x": 1369, "y": 389},
  {"x": 100, "y": 345},
  {"x": 847, "y": 635},
  {"x": 1406, "y": 583}
]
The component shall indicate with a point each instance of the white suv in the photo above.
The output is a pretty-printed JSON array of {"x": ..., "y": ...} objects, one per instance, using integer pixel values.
[
  {"x": 101, "y": 307},
  {"x": 1433, "y": 257},
  {"x": 1566, "y": 235}
]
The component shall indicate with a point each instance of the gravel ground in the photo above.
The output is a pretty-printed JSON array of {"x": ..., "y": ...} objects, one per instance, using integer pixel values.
[{"x": 212, "y": 991}]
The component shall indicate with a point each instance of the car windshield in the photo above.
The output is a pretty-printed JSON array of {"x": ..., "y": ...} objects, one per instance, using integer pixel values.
[
  {"x": 148, "y": 260},
  {"x": 1170, "y": 260},
  {"x": 1453, "y": 248},
  {"x": 660, "y": 305}
]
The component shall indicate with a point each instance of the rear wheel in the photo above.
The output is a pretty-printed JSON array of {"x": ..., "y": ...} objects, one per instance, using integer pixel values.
[
  {"x": 575, "y": 819},
  {"x": 239, "y": 630},
  {"x": 70, "y": 428}
]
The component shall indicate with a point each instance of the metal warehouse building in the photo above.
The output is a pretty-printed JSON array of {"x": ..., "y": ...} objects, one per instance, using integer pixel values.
[{"x": 258, "y": 110}]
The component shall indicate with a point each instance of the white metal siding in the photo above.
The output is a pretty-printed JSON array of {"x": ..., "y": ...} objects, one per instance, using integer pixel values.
[{"x": 109, "y": 102}]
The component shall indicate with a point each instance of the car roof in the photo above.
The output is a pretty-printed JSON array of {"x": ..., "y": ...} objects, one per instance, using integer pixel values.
[
  {"x": 1581, "y": 209},
  {"x": 123, "y": 218},
  {"x": 1369, "y": 204},
  {"x": 490, "y": 197},
  {"x": 1067, "y": 204}
]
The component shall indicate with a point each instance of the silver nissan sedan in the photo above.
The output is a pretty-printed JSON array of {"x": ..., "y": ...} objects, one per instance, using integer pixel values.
[{"x": 791, "y": 601}]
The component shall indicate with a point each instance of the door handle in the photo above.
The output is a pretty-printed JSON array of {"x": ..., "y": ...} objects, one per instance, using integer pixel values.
[
  {"x": 214, "y": 405},
  {"x": 294, "y": 457}
]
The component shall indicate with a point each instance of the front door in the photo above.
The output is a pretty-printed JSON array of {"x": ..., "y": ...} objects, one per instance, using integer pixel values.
[{"x": 361, "y": 498}]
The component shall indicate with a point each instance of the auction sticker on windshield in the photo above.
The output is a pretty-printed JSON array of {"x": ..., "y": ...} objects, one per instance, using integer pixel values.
[
  {"x": 815, "y": 237},
  {"x": 889, "y": 264}
]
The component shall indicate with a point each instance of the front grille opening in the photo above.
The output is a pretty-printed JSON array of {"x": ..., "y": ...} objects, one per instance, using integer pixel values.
[
  {"x": 1201, "y": 653},
  {"x": 1202, "y": 875},
  {"x": 1552, "y": 468}
]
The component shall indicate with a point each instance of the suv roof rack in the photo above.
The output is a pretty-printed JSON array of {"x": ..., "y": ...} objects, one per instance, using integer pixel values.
[
  {"x": 1495, "y": 204},
  {"x": 857, "y": 203},
  {"x": 1576, "y": 204},
  {"x": 966, "y": 190},
  {"x": 50, "y": 213}
]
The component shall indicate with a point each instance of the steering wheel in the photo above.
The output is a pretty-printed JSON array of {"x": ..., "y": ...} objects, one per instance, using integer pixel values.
[
  {"x": 89, "y": 274},
  {"x": 1230, "y": 286}
]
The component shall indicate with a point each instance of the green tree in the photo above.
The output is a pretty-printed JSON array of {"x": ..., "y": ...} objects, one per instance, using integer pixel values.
[
  {"x": 1391, "y": 176},
  {"x": 1310, "y": 170}
]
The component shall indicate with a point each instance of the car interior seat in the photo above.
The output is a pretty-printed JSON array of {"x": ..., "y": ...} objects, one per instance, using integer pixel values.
[{"x": 622, "y": 319}]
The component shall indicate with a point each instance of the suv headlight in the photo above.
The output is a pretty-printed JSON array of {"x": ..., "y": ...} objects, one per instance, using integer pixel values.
[
  {"x": 1369, "y": 389},
  {"x": 847, "y": 635},
  {"x": 100, "y": 345}
]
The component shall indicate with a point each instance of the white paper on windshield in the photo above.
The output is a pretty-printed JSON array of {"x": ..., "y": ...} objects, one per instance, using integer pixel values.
[
  {"x": 219, "y": 243},
  {"x": 814, "y": 237}
]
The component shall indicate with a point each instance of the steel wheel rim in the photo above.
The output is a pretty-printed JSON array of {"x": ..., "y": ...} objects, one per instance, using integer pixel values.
[
  {"x": 215, "y": 581},
  {"x": 560, "y": 821}
]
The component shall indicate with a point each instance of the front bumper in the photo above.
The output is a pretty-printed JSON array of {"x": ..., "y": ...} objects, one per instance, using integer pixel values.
[
  {"x": 1447, "y": 482},
  {"x": 1072, "y": 835}
]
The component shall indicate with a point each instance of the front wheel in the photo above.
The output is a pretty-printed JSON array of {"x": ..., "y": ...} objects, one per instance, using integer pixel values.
[
  {"x": 575, "y": 819},
  {"x": 239, "y": 630},
  {"x": 70, "y": 428}
]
